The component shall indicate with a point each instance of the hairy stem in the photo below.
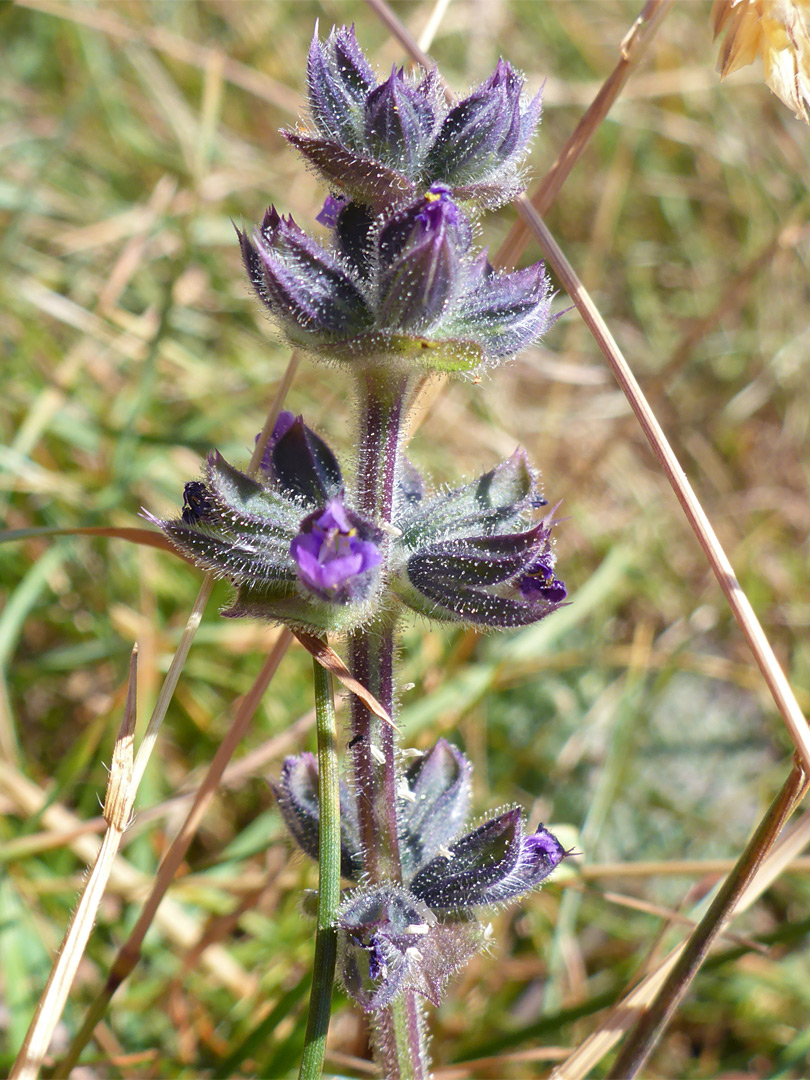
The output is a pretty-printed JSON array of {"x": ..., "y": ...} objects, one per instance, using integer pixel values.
[
  {"x": 320, "y": 1002},
  {"x": 397, "y": 1030}
]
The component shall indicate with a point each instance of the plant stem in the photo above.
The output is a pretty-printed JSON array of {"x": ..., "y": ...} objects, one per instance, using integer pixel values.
[
  {"x": 397, "y": 1031},
  {"x": 383, "y": 401},
  {"x": 320, "y": 1002}
]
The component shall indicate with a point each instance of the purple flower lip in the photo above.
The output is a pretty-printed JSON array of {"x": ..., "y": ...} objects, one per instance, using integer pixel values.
[
  {"x": 538, "y": 581},
  {"x": 330, "y": 211},
  {"x": 331, "y": 556}
]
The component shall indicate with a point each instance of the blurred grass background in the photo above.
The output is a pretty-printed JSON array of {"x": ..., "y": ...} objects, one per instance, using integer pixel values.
[{"x": 130, "y": 135}]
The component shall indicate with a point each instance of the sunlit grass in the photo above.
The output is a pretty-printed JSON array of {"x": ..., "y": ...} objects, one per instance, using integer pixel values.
[{"x": 131, "y": 346}]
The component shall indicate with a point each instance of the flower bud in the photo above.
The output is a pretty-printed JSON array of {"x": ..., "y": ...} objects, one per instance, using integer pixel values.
[
  {"x": 440, "y": 784},
  {"x": 309, "y": 292},
  {"x": 297, "y": 796},
  {"x": 399, "y": 123},
  {"x": 494, "y": 863},
  {"x": 420, "y": 253},
  {"x": 299, "y": 463},
  {"x": 483, "y": 139}
]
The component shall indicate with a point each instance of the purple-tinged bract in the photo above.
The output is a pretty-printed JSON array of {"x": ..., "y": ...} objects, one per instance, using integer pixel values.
[
  {"x": 400, "y": 123},
  {"x": 297, "y": 797},
  {"x": 440, "y": 784},
  {"x": 308, "y": 290},
  {"x": 473, "y": 554},
  {"x": 339, "y": 79},
  {"x": 493, "y": 864},
  {"x": 383, "y": 142},
  {"x": 504, "y": 312}
]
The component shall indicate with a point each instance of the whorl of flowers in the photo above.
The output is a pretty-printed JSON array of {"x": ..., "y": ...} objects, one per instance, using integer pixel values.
[
  {"x": 297, "y": 552},
  {"x": 415, "y": 935},
  {"x": 382, "y": 142},
  {"x": 399, "y": 283}
]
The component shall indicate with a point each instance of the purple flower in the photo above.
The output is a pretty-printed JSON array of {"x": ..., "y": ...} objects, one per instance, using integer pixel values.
[
  {"x": 330, "y": 211},
  {"x": 332, "y": 557},
  {"x": 538, "y": 580},
  {"x": 249, "y": 530}
]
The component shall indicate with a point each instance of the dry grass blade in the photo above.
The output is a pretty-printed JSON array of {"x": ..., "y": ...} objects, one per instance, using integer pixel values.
[
  {"x": 669, "y": 914},
  {"x": 701, "y": 526},
  {"x": 400, "y": 32},
  {"x": 178, "y": 926},
  {"x": 129, "y": 953},
  {"x": 631, "y": 51},
  {"x": 651, "y": 1025},
  {"x": 329, "y": 659},
  {"x": 117, "y": 812},
  {"x": 755, "y": 874}
]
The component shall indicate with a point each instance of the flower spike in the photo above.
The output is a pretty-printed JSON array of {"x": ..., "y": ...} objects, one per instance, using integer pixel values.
[{"x": 379, "y": 142}]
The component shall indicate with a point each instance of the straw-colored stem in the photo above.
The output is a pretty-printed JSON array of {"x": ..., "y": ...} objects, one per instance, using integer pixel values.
[
  {"x": 643, "y": 1039},
  {"x": 701, "y": 526},
  {"x": 590, "y": 1052},
  {"x": 631, "y": 50},
  {"x": 117, "y": 812},
  {"x": 130, "y": 952}
]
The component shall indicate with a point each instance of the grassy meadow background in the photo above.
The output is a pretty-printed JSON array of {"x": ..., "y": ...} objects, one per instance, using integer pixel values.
[{"x": 131, "y": 134}]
